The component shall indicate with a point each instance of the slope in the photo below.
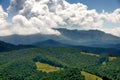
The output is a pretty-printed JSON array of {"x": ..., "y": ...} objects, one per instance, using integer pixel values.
[{"x": 8, "y": 47}]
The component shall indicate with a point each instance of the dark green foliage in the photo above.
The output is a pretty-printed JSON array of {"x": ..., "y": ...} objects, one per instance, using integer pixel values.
[
  {"x": 73, "y": 74},
  {"x": 110, "y": 71},
  {"x": 68, "y": 74},
  {"x": 103, "y": 58},
  {"x": 20, "y": 64},
  {"x": 20, "y": 70},
  {"x": 6, "y": 46}
]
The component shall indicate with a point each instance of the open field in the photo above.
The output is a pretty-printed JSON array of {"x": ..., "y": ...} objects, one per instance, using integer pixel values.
[
  {"x": 89, "y": 54},
  {"x": 89, "y": 76},
  {"x": 46, "y": 67},
  {"x": 112, "y": 58}
]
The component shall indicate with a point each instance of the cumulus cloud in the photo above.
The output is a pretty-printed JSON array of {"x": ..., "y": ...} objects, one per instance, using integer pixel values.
[
  {"x": 113, "y": 17},
  {"x": 41, "y": 16},
  {"x": 3, "y": 23},
  {"x": 3, "y": 16},
  {"x": 16, "y": 5},
  {"x": 115, "y": 31},
  {"x": 34, "y": 25}
]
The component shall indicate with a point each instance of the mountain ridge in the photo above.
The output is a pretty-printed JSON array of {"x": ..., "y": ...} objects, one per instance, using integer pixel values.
[
  {"x": 50, "y": 43},
  {"x": 92, "y": 38}
]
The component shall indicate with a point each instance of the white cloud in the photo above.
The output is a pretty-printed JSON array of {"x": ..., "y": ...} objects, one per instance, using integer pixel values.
[
  {"x": 67, "y": 14},
  {"x": 113, "y": 17},
  {"x": 3, "y": 23},
  {"x": 34, "y": 25},
  {"x": 3, "y": 16},
  {"x": 16, "y": 5},
  {"x": 114, "y": 31},
  {"x": 40, "y": 16}
]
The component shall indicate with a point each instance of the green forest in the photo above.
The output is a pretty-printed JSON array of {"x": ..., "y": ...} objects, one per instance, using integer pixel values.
[{"x": 70, "y": 63}]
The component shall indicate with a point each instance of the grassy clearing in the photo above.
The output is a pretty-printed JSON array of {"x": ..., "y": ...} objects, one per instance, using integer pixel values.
[
  {"x": 89, "y": 54},
  {"x": 112, "y": 58},
  {"x": 89, "y": 76},
  {"x": 46, "y": 67},
  {"x": 96, "y": 55}
]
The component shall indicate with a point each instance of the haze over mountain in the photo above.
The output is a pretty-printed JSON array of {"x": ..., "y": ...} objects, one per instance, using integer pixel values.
[{"x": 94, "y": 38}]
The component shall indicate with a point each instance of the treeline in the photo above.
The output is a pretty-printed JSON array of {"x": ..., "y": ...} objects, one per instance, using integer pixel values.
[
  {"x": 67, "y": 74},
  {"x": 39, "y": 59}
]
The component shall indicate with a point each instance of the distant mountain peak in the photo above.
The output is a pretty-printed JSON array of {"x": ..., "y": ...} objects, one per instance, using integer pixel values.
[
  {"x": 49, "y": 42},
  {"x": 70, "y": 37}
]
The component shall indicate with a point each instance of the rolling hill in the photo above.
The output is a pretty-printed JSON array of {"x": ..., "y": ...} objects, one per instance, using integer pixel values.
[
  {"x": 8, "y": 46},
  {"x": 21, "y": 64}
]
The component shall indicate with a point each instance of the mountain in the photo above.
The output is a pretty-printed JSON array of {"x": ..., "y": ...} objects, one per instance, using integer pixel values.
[
  {"x": 92, "y": 38},
  {"x": 117, "y": 46},
  {"x": 51, "y": 43},
  {"x": 8, "y": 47},
  {"x": 114, "y": 51},
  {"x": 27, "y": 39}
]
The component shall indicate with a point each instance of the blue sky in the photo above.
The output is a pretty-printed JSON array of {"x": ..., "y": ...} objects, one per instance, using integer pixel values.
[
  {"x": 99, "y": 5},
  {"x": 4, "y": 3}
]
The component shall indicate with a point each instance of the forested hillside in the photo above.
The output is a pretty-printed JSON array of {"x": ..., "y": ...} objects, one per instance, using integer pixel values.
[{"x": 21, "y": 64}]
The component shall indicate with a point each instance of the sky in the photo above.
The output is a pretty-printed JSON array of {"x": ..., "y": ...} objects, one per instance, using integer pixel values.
[
  {"x": 99, "y": 5},
  {"x": 25, "y": 17},
  {"x": 5, "y": 3}
]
